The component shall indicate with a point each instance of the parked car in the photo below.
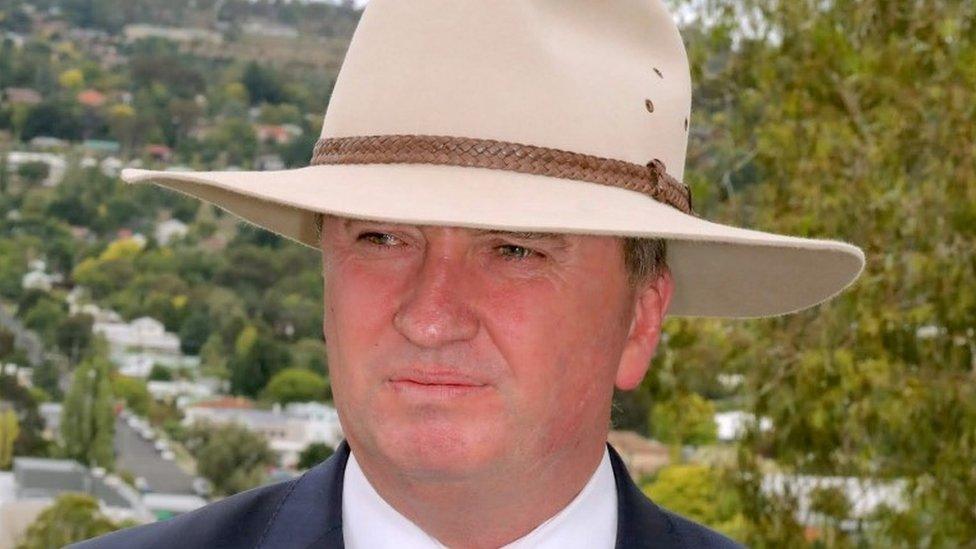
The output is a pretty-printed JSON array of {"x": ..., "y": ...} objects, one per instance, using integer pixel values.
[{"x": 202, "y": 487}]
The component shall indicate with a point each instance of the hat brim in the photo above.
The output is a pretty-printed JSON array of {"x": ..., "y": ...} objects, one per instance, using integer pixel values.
[{"x": 719, "y": 270}]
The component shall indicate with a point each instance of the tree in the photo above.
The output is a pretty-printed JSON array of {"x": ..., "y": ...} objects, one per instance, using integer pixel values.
[
  {"x": 686, "y": 418},
  {"x": 160, "y": 373},
  {"x": 195, "y": 331},
  {"x": 133, "y": 392},
  {"x": 9, "y": 431},
  {"x": 309, "y": 353},
  {"x": 30, "y": 425},
  {"x": 861, "y": 145},
  {"x": 88, "y": 420},
  {"x": 699, "y": 492},
  {"x": 257, "y": 357},
  {"x": 313, "y": 454},
  {"x": 74, "y": 336},
  {"x": 263, "y": 85},
  {"x": 71, "y": 79},
  {"x": 72, "y": 518},
  {"x": 52, "y": 118},
  {"x": 232, "y": 458},
  {"x": 47, "y": 376},
  {"x": 33, "y": 172},
  {"x": 297, "y": 385}
]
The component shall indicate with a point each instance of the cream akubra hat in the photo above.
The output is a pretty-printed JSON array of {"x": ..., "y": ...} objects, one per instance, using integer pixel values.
[{"x": 564, "y": 116}]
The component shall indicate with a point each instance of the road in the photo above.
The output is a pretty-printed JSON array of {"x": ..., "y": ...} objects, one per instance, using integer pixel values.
[{"x": 141, "y": 458}]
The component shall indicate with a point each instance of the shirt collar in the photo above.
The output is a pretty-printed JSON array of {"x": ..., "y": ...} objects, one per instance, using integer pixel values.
[{"x": 589, "y": 520}]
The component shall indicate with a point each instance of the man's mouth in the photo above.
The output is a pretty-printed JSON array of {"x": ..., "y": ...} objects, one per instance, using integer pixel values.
[{"x": 436, "y": 384}]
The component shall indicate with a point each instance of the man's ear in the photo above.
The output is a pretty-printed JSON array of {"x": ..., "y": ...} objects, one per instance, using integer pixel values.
[{"x": 650, "y": 306}]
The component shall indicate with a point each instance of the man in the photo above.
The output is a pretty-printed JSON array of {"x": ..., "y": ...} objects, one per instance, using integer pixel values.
[{"x": 497, "y": 200}]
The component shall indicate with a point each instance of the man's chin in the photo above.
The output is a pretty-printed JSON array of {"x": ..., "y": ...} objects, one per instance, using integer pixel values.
[{"x": 441, "y": 452}]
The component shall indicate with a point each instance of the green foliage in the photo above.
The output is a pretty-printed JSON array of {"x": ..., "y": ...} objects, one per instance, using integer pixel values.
[
  {"x": 313, "y": 454},
  {"x": 74, "y": 336},
  {"x": 72, "y": 518},
  {"x": 21, "y": 400},
  {"x": 232, "y": 458},
  {"x": 133, "y": 392},
  {"x": 32, "y": 173},
  {"x": 869, "y": 143},
  {"x": 160, "y": 373},
  {"x": 686, "y": 418},
  {"x": 297, "y": 385},
  {"x": 257, "y": 357},
  {"x": 700, "y": 493},
  {"x": 88, "y": 419},
  {"x": 9, "y": 431}
]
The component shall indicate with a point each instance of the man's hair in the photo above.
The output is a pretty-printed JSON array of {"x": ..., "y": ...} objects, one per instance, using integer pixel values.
[{"x": 644, "y": 258}]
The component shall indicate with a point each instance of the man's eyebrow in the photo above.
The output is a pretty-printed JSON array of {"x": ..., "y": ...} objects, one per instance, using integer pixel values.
[{"x": 523, "y": 235}]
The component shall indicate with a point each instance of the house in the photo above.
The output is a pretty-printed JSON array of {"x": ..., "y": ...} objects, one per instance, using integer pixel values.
[
  {"x": 159, "y": 152},
  {"x": 22, "y": 96},
  {"x": 56, "y": 163},
  {"x": 51, "y": 415},
  {"x": 167, "y": 231},
  {"x": 100, "y": 146},
  {"x": 37, "y": 280},
  {"x": 111, "y": 166},
  {"x": 34, "y": 484},
  {"x": 268, "y": 28},
  {"x": 24, "y": 374},
  {"x": 321, "y": 422},
  {"x": 92, "y": 99},
  {"x": 864, "y": 495},
  {"x": 269, "y": 162},
  {"x": 279, "y": 134},
  {"x": 175, "y": 34},
  {"x": 733, "y": 424},
  {"x": 179, "y": 390},
  {"x": 136, "y": 346},
  {"x": 287, "y": 431},
  {"x": 76, "y": 306},
  {"x": 46, "y": 142},
  {"x": 642, "y": 456}
]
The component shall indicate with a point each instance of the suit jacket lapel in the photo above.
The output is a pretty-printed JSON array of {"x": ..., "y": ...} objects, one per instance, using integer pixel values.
[
  {"x": 311, "y": 514},
  {"x": 640, "y": 523}
]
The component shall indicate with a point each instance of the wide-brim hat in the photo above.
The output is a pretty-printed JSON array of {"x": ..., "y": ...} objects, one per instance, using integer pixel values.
[{"x": 566, "y": 116}]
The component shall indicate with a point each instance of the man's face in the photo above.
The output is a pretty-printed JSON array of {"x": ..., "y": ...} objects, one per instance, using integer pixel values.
[{"x": 458, "y": 352}]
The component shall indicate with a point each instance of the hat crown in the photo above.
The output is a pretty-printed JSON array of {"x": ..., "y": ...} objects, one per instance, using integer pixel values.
[{"x": 608, "y": 79}]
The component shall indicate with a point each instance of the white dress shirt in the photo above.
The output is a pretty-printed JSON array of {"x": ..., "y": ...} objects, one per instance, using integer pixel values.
[{"x": 589, "y": 521}]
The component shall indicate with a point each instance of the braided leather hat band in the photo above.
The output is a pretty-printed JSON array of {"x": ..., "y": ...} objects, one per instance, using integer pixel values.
[{"x": 651, "y": 180}]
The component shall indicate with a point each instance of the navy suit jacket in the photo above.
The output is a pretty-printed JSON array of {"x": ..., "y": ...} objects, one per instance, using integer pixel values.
[{"x": 306, "y": 513}]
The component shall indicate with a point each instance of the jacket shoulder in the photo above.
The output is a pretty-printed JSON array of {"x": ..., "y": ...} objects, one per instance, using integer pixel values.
[
  {"x": 693, "y": 534},
  {"x": 236, "y": 521}
]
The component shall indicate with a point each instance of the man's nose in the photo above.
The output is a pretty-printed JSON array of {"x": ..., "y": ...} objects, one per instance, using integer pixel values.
[{"x": 436, "y": 310}]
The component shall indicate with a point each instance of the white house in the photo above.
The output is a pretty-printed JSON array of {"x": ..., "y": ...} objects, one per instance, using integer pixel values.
[
  {"x": 137, "y": 345},
  {"x": 865, "y": 496},
  {"x": 321, "y": 422},
  {"x": 287, "y": 431},
  {"x": 37, "y": 280},
  {"x": 168, "y": 230},
  {"x": 180, "y": 389},
  {"x": 732, "y": 425},
  {"x": 56, "y": 164}
]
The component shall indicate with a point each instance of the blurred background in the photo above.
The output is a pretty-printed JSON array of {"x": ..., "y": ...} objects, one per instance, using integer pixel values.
[{"x": 157, "y": 354}]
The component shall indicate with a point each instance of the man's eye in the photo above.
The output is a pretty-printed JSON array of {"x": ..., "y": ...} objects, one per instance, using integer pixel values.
[
  {"x": 380, "y": 239},
  {"x": 516, "y": 252}
]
